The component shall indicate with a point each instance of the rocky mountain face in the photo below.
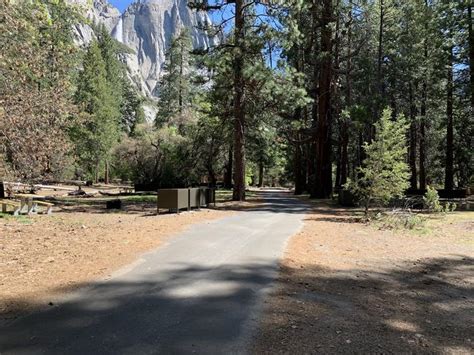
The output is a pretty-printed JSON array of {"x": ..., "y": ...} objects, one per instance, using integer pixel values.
[
  {"x": 96, "y": 12},
  {"x": 147, "y": 28}
]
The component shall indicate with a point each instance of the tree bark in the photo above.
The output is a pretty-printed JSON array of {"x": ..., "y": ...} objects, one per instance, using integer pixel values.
[
  {"x": 212, "y": 176},
  {"x": 344, "y": 155},
  {"x": 345, "y": 127},
  {"x": 298, "y": 168},
  {"x": 239, "y": 106},
  {"x": 181, "y": 73},
  {"x": 413, "y": 139},
  {"x": 471, "y": 54},
  {"x": 96, "y": 173},
  {"x": 260, "y": 174},
  {"x": 360, "y": 151},
  {"x": 424, "y": 101},
  {"x": 337, "y": 100},
  {"x": 323, "y": 176},
  {"x": 338, "y": 162},
  {"x": 380, "y": 85},
  {"x": 228, "y": 173},
  {"x": 311, "y": 163},
  {"x": 299, "y": 172},
  {"x": 422, "y": 153},
  {"x": 449, "y": 163},
  {"x": 107, "y": 174}
]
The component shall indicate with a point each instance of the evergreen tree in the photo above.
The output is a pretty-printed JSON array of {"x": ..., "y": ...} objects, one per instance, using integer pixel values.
[
  {"x": 176, "y": 86},
  {"x": 384, "y": 173},
  {"x": 132, "y": 110},
  {"x": 100, "y": 127}
]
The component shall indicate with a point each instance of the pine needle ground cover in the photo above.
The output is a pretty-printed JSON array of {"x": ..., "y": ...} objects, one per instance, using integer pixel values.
[
  {"x": 44, "y": 257},
  {"x": 349, "y": 287}
]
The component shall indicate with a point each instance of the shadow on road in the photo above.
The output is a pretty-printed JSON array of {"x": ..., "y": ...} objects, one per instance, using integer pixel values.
[
  {"x": 192, "y": 308},
  {"x": 425, "y": 307}
]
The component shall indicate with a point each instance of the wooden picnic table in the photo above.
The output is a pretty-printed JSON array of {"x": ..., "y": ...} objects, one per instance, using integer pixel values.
[
  {"x": 126, "y": 189},
  {"x": 5, "y": 203},
  {"x": 31, "y": 203}
]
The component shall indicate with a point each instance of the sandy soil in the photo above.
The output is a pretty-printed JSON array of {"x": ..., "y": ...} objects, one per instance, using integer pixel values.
[
  {"x": 345, "y": 287},
  {"x": 44, "y": 256}
]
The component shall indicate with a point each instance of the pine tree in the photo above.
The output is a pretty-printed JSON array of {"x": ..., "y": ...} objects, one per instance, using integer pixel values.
[
  {"x": 100, "y": 128},
  {"x": 132, "y": 110},
  {"x": 384, "y": 173},
  {"x": 176, "y": 86}
]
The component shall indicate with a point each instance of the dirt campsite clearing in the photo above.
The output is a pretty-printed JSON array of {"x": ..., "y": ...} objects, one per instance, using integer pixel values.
[
  {"x": 42, "y": 257},
  {"x": 347, "y": 287}
]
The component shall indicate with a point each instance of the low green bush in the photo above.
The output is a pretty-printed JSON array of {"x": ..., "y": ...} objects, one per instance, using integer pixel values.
[{"x": 432, "y": 203}]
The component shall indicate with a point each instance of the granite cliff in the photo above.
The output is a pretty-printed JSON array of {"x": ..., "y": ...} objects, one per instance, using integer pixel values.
[{"x": 147, "y": 28}]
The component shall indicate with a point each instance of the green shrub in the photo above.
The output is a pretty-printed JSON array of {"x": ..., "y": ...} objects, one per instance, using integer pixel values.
[
  {"x": 399, "y": 219},
  {"x": 450, "y": 207},
  {"x": 412, "y": 221},
  {"x": 431, "y": 200}
]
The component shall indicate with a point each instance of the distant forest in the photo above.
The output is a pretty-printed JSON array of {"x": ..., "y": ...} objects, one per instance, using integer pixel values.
[{"x": 319, "y": 95}]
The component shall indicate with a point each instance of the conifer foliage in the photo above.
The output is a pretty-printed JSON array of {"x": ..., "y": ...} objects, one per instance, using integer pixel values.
[
  {"x": 99, "y": 127},
  {"x": 384, "y": 172},
  {"x": 176, "y": 86},
  {"x": 109, "y": 107}
]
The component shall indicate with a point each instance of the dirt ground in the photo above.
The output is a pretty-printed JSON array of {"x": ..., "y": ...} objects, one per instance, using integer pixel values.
[
  {"x": 41, "y": 256},
  {"x": 346, "y": 287}
]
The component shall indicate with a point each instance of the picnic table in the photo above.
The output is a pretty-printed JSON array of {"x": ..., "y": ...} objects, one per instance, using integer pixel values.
[
  {"x": 31, "y": 202},
  {"x": 21, "y": 202},
  {"x": 126, "y": 189},
  {"x": 5, "y": 203}
]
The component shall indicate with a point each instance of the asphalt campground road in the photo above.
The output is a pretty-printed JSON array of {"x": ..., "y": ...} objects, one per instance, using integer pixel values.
[{"x": 200, "y": 293}]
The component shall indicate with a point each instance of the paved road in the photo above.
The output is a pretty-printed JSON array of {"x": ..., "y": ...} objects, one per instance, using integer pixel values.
[{"x": 201, "y": 293}]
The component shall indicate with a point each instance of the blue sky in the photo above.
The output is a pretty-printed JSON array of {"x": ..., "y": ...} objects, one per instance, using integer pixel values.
[{"x": 121, "y": 4}]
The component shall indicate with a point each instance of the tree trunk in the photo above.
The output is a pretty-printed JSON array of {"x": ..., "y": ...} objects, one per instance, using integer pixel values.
[
  {"x": 323, "y": 176},
  {"x": 424, "y": 100},
  {"x": 212, "y": 176},
  {"x": 345, "y": 126},
  {"x": 298, "y": 166},
  {"x": 360, "y": 151},
  {"x": 422, "y": 132},
  {"x": 97, "y": 171},
  {"x": 471, "y": 54},
  {"x": 260, "y": 174},
  {"x": 338, "y": 162},
  {"x": 380, "y": 86},
  {"x": 380, "y": 46},
  {"x": 344, "y": 155},
  {"x": 449, "y": 173},
  {"x": 239, "y": 108},
  {"x": 107, "y": 173},
  {"x": 228, "y": 173},
  {"x": 413, "y": 137},
  {"x": 181, "y": 73},
  {"x": 299, "y": 162},
  {"x": 311, "y": 162},
  {"x": 337, "y": 102}
]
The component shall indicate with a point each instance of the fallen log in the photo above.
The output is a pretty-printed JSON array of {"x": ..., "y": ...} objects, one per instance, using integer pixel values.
[{"x": 39, "y": 186}]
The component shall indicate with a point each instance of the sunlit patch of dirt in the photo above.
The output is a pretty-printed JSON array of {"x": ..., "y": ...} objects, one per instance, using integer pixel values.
[
  {"x": 348, "y": 287},
  {"x": 40, "y": 254}
]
